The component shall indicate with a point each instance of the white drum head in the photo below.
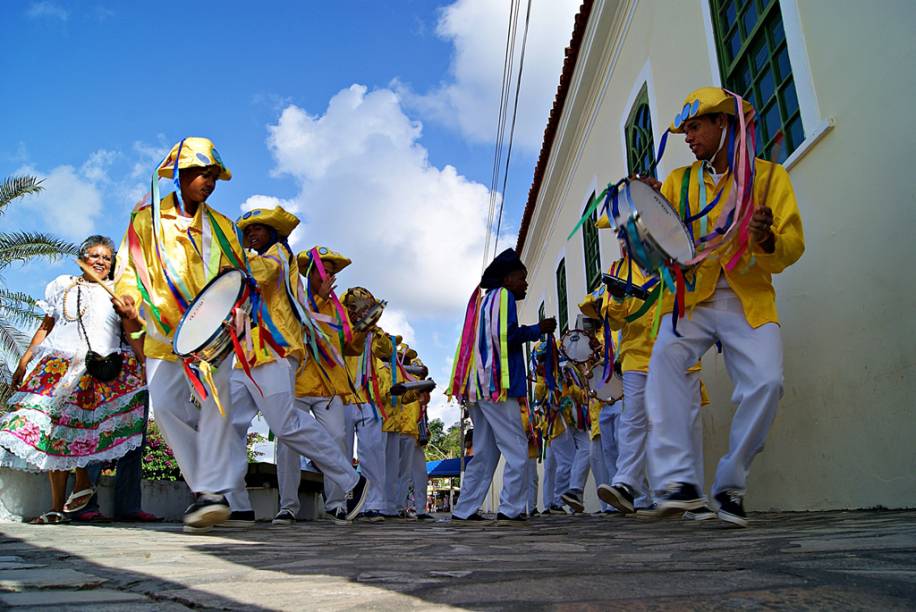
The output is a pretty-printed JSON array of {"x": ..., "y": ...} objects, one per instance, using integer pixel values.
[
  {"x": 576, "y": 346},
  {"x": 609, "y": 391},
  {"x": 207, "y": 312},
  {"x": 662, "y": 222}
]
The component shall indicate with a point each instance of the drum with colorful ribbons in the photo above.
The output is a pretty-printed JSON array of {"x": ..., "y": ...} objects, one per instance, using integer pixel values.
[
  {"x": 608, "y": 392},
  {"x": 576, "y": 345},
  {"x": 221, "y": 309},
  {"x": 654, "y": 232}
]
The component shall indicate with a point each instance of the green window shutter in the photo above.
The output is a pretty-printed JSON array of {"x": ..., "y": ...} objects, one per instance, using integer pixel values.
[
  {"x": 754, "y": 63},
  {"x": 561, "y": 297},
  {"x": 590, "y": 249},
  {"x": 638, "y": 130}
]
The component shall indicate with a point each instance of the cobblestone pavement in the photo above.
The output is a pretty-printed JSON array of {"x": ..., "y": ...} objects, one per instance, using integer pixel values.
[{"x": 836, "y": 560}]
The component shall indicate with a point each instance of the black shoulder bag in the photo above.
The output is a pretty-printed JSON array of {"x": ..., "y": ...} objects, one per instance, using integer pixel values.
[{"x": 104, "y": 369}]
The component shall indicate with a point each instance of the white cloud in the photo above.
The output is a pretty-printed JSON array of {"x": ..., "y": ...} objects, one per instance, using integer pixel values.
[
  {"x": 96, "y": 167},
  {"x": 51, "y": 10},
  {"x": 395, "y": 322},
  {"x": 469, "y": 100},
  {"x": 414, "y": 231},
  {"x": 70, "y": 202}
]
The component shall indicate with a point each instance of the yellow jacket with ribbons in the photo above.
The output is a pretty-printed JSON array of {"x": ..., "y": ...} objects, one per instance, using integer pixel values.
[{"x": 751, "y": 278}]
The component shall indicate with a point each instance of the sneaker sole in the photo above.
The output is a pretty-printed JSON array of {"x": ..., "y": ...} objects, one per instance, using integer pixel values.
[
  {"x": 196, "y": 530},
  {"x": 359, "y": 503},
  {"x": 573, "y": 503},
  {"x": 609, "y": 495},
  {"x": 732, "y": 518},
  {"x": 674, "y": 507},
  {"x": 282, "y": 522},
  {"x": 208, "y": 516},
  {"x": 705, "y": 516},
  {"x": 237, "y": 523}
]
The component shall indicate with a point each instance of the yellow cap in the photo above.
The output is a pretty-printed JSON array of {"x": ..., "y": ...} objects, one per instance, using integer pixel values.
[
  {"x": 278, "y": 218},
  {"x": 333, "y": 261},
  {"x": 704, "y": 101},
  {"x": 195, "y": 152}
]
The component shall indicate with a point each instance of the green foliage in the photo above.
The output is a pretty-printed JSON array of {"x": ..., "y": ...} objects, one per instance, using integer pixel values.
[
  {"x": 17, "y": 308},
  {"x": 443, "y": 444},
  {"x": 159, "y": 461},
  {"x": 253, "y": 438}
]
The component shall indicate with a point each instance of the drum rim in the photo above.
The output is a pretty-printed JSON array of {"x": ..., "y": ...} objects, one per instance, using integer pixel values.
[
  {"x": 212, "y": 336},
  {"x": 562, "y": 352},
  {"x": 634, "y": 214}
]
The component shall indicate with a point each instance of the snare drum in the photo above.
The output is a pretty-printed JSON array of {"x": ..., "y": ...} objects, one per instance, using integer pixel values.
[
  {"x": 608, "y": 392},
  {"x": 656, "y": 233},
  {"x": 203, "y": 332},
  {"x": 576, "y": 345}
]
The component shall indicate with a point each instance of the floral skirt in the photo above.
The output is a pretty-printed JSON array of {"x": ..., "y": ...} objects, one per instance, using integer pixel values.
[{"x": 62, "y": 418}]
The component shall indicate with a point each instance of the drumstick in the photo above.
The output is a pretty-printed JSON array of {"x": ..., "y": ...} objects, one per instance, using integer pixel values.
[{"x": 95, "y": 278}]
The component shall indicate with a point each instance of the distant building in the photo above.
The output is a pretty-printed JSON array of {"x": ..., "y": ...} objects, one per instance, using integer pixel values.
[{"x": 838, "y": 78}]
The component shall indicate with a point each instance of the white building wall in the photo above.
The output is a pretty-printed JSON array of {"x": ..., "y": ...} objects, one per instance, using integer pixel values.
[{"x": 845, "y": 436}]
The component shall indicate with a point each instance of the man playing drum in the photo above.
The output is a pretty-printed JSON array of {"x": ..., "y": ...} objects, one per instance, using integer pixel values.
[
  {"x": 733, "y": 305},
  {"x": 171, "y": 250},
  {"x": 270, "y": 387}
]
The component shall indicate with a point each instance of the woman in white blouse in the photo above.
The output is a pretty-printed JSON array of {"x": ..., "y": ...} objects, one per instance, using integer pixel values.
[{"x": 63, "y": 415}]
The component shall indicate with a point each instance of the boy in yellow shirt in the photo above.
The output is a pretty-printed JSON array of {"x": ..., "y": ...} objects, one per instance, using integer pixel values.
[
  {"x": 731, "y": 304},
  {"x": 270, "y": 387},
  {"x": 171, "y": 250}
]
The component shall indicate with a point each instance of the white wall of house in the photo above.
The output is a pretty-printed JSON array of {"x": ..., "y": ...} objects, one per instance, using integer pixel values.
[{"x": 845, "y": 436}]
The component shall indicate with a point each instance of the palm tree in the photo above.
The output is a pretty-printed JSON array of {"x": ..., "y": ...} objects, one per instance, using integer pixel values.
[{"x": 17, "y": 309}]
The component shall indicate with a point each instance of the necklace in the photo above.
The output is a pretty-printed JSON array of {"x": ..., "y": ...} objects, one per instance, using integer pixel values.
[{"x": 80, "y": 311}]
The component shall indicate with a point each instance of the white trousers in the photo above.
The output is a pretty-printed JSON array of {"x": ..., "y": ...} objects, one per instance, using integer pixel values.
[
  {"x": 370, "y": 450},
  {"x": 204, "y": 442},
  {"x": 497, "y": 431},
  {"x": 532, "y": 479},
  {"x": 412, "y": 471},
  {"x": 603, "y": 456},
  {"x": 331, "y": 417},
  {"x": 753, "y": 359},
  {"x": 295, "y": 430},
  {"x": 560, "y": 456},
  {"x": 578, "y": 476},
  {"x": 550, "y": 475},
  {"x": 393, "y": 505}
]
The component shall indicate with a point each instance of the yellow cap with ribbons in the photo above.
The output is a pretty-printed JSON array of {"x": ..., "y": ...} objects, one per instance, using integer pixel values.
[
  {"x": 282, "y": 221},
  {"x": 193, "y": 152},
  {"x": 704, "y": 101},
  {"x": 333, "y": 261}
]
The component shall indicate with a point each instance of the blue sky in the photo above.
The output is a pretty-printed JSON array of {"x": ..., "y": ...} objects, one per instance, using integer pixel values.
[{"x": 373, "y": 121}]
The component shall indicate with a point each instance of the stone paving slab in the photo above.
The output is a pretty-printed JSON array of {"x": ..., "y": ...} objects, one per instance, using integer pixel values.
[
  {"x": 838, "y": 560},
  {"x": 57, "y": 597},
  {"x": 57, "y": 578}
]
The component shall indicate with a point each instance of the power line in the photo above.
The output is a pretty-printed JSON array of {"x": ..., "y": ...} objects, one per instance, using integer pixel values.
[
  {"x": 508, "y": 57},
  {"x": 518, "y": 86}
]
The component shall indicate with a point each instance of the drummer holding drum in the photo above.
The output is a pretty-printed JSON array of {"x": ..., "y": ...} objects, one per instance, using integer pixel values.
[
  {"x": 733, "y": 302},
  {"x": 172, "y": 249}
]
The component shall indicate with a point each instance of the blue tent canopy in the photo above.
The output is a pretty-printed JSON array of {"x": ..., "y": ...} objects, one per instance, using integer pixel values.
[{"x": 444, "y": 468}]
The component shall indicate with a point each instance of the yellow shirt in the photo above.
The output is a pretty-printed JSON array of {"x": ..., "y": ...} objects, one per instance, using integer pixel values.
[
  {"x": 635, "y": 344},
  {"x": 182, "y": 255},
  {"x": 335, "y": 380},
  {"x": 558, "y": 418},
  {"x": 381, "y": 350},
  {"x": 751, "y": 283},
  {"x": 594, "y": 415},
  {"x": 267, "y": 270}
]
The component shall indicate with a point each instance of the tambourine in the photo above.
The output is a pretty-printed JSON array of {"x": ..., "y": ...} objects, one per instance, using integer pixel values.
[{"x": 363, "y": 308}]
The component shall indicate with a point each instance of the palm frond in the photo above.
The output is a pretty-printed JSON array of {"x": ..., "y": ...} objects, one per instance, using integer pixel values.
[
  {"x": 23, "y": 246},
  {"x": 17, "y": 186},
  {"x": 13, "y": 340},
  {"x": 18, "y": 307},
  {"x": 6, "y": 389}
]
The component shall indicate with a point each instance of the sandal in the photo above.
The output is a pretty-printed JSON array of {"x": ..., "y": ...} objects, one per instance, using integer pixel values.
[
  {"x": 49, "y": 518},
  {"x": 91, "y": 516},
  {"x": 73, "y": 506},
  {"x": 139, "y": 517}
]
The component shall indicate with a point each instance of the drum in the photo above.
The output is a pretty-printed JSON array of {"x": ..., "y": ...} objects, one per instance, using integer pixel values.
[
  {"x": 414, "y": 385},
  {"x": 653, "y": 227},
  {"x": 608, "y": 392},
  {"x": 576, "y": 345},
  {"x": 362, "y": 307},
  {"x": 203, "y": 332}
]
